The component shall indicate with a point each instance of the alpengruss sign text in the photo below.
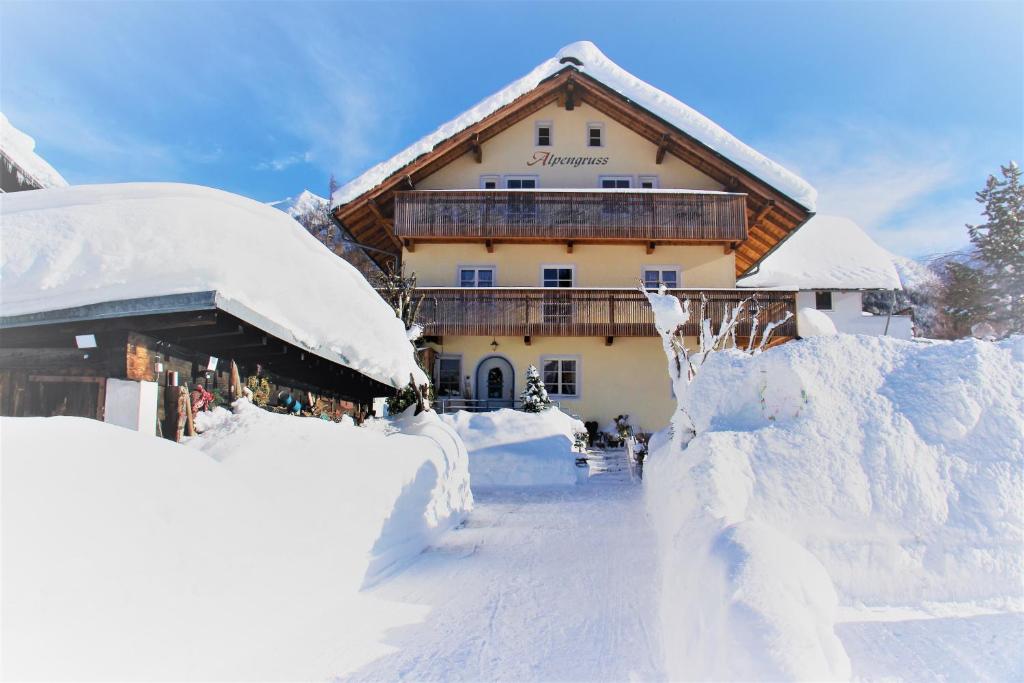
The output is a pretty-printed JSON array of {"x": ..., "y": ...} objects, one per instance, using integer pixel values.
[{"x": 549, "y": 159}]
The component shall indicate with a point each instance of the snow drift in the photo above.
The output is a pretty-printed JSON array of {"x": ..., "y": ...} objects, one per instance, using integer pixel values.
[
  {"x": 594, "y": 63},
  {"x": 838, "y": 470},
  {"x": 90, "y": 244},
  {"x": 512, "y": 448},
  {"x": 232, "y": 557}
]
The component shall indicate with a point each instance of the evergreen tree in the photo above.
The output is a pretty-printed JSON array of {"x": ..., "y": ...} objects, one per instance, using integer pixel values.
[
  {"x": 991, "y": 287},
  {"x": 535, "y": 395},
  {"x": 1000, "y": 246}
]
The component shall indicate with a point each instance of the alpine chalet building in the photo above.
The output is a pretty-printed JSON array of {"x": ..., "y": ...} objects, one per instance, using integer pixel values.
[{"x": 531, "y": 220}]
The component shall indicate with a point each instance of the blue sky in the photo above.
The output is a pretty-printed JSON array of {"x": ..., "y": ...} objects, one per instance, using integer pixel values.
[{"x": 896, "y": 112}]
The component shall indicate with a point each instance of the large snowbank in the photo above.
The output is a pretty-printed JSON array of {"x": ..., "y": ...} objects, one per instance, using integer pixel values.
[
  {"x": 512, "y": 448},
  {"x": 598, "y": 66},
  {"x": 97, "y": 243},
  {"x": 835, "y": 471},
  {"x": 827, "y": 252},
  {"x": 21, "y": 149},
  {"x": 236, "y": 556}
]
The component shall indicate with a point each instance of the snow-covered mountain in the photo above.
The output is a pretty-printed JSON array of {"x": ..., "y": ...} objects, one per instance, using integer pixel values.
[{"x": 299, "y": 205}]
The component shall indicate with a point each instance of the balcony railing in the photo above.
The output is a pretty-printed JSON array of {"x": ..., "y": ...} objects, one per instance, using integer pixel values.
[
  {"x": 584, "y": 312},
  {"x": 566, "y": 215}
]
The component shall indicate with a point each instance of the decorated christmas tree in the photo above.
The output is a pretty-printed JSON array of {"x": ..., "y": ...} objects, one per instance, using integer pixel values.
[{"x": 535, "y": 396}]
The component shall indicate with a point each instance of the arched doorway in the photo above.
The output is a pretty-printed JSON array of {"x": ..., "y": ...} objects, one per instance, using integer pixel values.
[{"x": 495, "y": 382}]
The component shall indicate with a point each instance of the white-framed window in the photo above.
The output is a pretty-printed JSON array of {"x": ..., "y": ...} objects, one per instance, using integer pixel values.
[
  {"x": 476, "y": 276},
  {"x": 655, "y": 276},
  {"x": 647, "y": 182},
  {"x": 543, "y": 134},
  {"x": 823, "y": 301},
  {"x": 520, "y": 182},
  {"x": 558, "y": 275},
  {"x": 490, "y": 182},
  {"x": 609, "y": 182},
  {"x": 448, "y": 375},
  {"x": 522, "y": 207},
  {"x": 561, "y": 376},
  {"x": 595, "y": 134},
  {"x": 557, "y": 309}
]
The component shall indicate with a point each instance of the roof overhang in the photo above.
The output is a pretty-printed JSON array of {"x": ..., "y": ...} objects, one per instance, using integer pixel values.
[{"x": 772, "y": 215}]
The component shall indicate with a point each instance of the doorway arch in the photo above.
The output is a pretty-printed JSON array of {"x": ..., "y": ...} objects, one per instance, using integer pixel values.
[{"x": 495, "y": 382}]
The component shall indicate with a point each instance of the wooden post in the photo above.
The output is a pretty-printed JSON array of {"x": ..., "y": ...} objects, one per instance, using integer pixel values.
[
  {"x": 236, "y": 383},
  {"x": 189, "y": 418}
]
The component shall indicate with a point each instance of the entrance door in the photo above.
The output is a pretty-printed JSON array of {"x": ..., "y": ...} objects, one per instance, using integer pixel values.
[{"x": 495, "y": 383}]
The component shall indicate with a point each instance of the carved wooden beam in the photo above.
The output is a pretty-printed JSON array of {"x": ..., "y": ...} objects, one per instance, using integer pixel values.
[
  {"x": 570, "y": 95},
  {"x": 410, "y": 245},
  {"x": 490, "y": 246},
  {"x": 608, "y": 340},
  {"x": 650, "y": 247},
  {"x": 407, "y": 183},
  {"x": 662, "y": 148},
  {"x": 474, "y": 146},
  {"x": 729, "y": 248},
  {"x": 765, "y": 210},
  {"x": 568, "y": 247},
  {"x": 374, "y": 208},
  {"x": 527, "y": 340}
]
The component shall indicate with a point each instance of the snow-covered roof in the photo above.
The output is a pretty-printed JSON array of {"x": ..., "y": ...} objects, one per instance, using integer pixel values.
[
  {"x": 90, "y": 244},
  {"x": 828, "y": 252},
  {"x": 596, "y": 65},
  {"x": 20, "y": 149}
]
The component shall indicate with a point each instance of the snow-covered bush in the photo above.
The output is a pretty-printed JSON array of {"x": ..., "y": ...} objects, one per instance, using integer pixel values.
[
  {"x": 512, "y": 448},
  {"x": 839, "y": 470},
  {"x": 137, "y": 558},
  {"x": 535, "y": 395}
]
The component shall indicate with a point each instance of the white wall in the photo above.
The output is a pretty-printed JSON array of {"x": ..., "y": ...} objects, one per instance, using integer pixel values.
[
  {"x": 131, "y": 404},
  {"x": 849, "y": 318}
]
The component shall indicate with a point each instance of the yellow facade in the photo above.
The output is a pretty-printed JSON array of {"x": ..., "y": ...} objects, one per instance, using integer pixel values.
[
  {"x": 629, "y": 376},
  {"x": 596, "y": 265},
  {"x": 512, "y": 152}
]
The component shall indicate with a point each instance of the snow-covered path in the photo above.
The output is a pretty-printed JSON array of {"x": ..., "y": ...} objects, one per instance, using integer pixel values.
[{"x": 540, "y": 584}]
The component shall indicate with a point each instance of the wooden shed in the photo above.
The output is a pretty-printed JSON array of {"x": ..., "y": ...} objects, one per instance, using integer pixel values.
[{"x": 114, "y": 361}]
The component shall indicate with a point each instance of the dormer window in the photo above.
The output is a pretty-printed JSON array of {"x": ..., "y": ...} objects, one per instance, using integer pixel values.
[
  {"x": 595, "y": 135},
  {"x": 542, "y": 136}
]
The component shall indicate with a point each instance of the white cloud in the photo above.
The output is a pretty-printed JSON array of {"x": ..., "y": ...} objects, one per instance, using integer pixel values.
[
  {"x": 908, "y": 191},
  {"x": 282, "y": 163}
]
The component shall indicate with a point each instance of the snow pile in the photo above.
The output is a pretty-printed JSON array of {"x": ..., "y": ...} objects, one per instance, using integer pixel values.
[
  {"x": 598, "y": 66},
  {"x": 237, "y": 556},
  {"x": 97, "y": 243},
  {"x": 512, "y": 448},
  {"x": 20, "y": 149},
  {"x": 813, "y": 323},
  {"x": 827, "y": 252},
  {"x": 839, "y": 470}
]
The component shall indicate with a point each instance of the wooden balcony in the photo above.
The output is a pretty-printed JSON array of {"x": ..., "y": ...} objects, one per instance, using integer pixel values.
[
  {"x": 570, "y": 216},
  {"x": 609, "y": 313}
]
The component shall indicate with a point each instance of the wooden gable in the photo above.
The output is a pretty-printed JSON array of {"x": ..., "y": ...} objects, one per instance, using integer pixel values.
[{"x": 771, "y": 215}]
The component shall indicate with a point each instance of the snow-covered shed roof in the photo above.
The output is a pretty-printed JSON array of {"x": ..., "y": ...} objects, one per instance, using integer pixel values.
[
  {"x": 588, "y": 59},
  {"x": 828, "y": 252},
  {"x": 19, "y": 149},
  {"x": 90, "y": 244}
]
